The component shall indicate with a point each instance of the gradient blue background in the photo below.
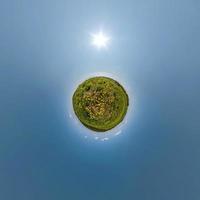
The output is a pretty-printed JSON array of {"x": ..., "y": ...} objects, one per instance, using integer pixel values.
[{"x": 155, "y": 48}]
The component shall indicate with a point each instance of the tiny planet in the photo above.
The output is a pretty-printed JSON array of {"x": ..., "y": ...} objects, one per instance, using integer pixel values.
[{"x": 100, "y": 103}]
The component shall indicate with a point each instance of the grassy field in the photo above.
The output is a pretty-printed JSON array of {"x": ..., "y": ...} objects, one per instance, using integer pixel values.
[{"x": 100, "y": 103}]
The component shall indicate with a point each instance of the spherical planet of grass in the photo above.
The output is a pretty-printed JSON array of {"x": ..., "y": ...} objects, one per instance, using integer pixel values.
[{"x": 100, "y": 103}]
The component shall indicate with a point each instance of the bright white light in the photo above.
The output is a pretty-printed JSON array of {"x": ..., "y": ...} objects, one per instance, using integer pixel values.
[{"x": 100, "y": 40}]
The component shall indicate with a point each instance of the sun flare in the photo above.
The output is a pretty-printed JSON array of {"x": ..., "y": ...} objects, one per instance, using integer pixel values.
[{"x": 100, "y": 40}]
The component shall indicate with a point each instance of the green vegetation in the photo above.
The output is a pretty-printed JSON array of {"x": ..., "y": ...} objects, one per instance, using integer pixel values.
[{"x": 100, "y": 103}]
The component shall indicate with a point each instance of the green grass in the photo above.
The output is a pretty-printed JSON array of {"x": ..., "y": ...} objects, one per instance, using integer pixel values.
[{"x": 100, "y": 103}]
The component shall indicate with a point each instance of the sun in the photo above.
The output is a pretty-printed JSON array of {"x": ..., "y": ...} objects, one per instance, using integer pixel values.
[{"x": 100, "y": 40}]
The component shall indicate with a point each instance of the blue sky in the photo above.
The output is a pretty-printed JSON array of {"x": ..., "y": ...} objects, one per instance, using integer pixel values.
[{"x": 45, "y": 50}]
